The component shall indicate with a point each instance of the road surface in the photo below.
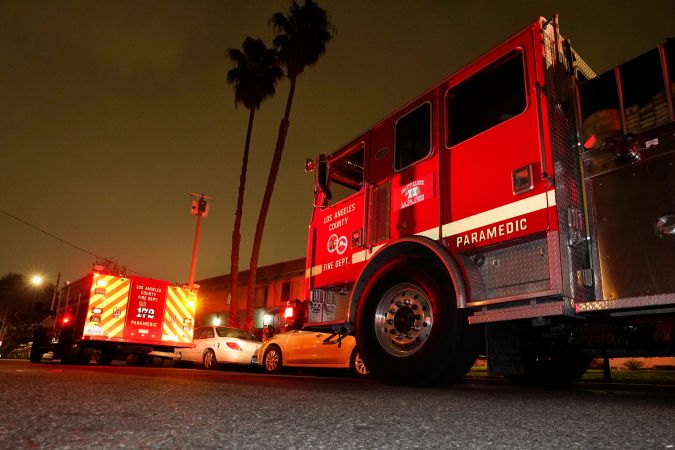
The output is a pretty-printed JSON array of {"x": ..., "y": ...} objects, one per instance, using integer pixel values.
[{"x": 49, "y": 405}]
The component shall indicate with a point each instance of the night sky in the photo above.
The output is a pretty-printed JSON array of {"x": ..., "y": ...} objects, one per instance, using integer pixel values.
[{"x": 111, "y": 112}]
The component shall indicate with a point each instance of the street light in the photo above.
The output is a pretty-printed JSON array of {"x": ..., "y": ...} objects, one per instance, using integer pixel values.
[{"x": 36, "y": 280}]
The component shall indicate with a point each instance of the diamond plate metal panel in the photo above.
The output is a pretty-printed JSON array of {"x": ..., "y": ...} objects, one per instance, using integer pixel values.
[
  {"x": 574, "y": 251},
  {"x": 518, "y": 269}
]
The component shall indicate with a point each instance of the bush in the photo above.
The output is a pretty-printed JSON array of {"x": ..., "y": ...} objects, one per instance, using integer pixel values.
[{"x": 633, "y": 364}]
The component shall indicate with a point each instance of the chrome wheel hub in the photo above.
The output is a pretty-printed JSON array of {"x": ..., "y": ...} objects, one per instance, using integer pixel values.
[{"x": 403, "y": 319}]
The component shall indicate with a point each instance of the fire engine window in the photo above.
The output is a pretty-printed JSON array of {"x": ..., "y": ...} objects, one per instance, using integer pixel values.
[
  {"x": 413, "y": 137},
  {"x": 346, "y": 176},
  {"x": 486, "y": 99}
]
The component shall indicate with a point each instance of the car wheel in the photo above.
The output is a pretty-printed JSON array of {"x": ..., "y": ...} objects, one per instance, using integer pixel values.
[
  {"x": 210, "y": 361},
  {"x": 272, "y": 359},
  {"x": 358, "y": 365}
]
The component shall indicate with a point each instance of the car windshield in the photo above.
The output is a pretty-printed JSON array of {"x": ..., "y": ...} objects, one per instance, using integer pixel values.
[{"x": 235, "y": 333}]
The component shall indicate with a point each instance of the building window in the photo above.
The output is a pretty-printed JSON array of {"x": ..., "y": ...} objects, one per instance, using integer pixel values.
[
  {"x": 413, "y": 137},
  {"x": 260, "y": 300},
  {"x": 486, "y": 99},
  {"x": 286, "y": 291}
]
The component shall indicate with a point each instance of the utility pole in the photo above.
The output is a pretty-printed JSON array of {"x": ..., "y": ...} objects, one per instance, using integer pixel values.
[
  {"x": 56, "y": 288},
  {"x": 200, "y": 208}
]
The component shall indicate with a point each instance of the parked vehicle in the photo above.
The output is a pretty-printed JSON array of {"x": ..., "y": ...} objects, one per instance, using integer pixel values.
[
  {"x": 214, "y": 345},
  {"x": 311, "y": 348}
]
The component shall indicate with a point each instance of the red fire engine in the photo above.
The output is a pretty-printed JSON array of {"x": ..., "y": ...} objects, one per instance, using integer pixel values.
[
  {"x": 109, "y": 317},
  {"x": 522, "y": 208}
]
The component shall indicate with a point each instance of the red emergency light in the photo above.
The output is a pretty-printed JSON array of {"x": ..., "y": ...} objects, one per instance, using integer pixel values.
[{"x": 66, "y": 320}]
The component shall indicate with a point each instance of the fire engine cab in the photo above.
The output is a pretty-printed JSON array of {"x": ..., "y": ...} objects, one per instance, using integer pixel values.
[{"x": 522, "y": 208}]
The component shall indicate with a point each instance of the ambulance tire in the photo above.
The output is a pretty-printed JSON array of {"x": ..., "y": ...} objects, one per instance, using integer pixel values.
[
  {"x": 85, "y": 355},
  {"x": 71, "y": 354},
  {"x": 104, "y": 358},
  {"x": 35, "y": 354},
  {"x": 409, "y": 297},
  {"x": 38, "y": 341},
  {"x": 209, "y": 361}
]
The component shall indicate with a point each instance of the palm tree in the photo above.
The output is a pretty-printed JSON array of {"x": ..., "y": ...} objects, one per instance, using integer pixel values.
[
  {"x": 253, "y": 79},
  {"x": 303, "y": 33}
]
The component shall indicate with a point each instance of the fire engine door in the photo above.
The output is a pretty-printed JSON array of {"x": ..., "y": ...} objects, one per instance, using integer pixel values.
[
  {"x": 493, "y": 164},
  {"x": 338, "y": 235},
  {"x": 414, "y": 184}
]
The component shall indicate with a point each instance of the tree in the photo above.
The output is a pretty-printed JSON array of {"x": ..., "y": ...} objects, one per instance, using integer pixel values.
[
  {"x": 303, "y": 33},
  {"x": 253, "y": 79}
]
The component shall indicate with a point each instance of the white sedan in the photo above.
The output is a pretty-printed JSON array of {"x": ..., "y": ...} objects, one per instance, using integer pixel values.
[
  {"x": 218, "y": 345},
  {"x": 306, "y": 348}
]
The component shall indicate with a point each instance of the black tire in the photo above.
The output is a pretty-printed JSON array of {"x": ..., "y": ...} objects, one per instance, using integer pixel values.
[
  {"x": 357, "y": 365},
  {"x": 85, "y": 355},
  {"x": 272, "y": 360},
  {"x": 551, "y": 364},
  {"x": 71, "y": 354},
  {"x": 409, "y": 329},
  {"x": 104, "y": 358},
  {"x": 209, "y": 361},
  {"x": 35, "y": 354},
  {"x": 39, "y": 338}
]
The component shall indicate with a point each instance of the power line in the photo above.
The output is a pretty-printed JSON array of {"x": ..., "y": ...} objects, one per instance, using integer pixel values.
[{"x": 53, "y": 236}]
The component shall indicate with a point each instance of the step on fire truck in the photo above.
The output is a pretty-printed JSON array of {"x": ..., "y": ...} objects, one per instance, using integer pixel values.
[
  {"x": 111, "y": 317},
  {"x": 523, "y": 209}
]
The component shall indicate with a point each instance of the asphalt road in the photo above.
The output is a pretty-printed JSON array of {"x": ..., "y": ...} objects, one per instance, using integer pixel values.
[{"x": 50, "y": 405}]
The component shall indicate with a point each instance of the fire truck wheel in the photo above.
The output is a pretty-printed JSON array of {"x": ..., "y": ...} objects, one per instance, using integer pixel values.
[
  {"x": 556, "y": 364},
  {"x": 408, "y": 326},
  {"x": 210, "y": 361},
  {"x": 272, "y": 359},
  {"x": 358, "y": 365}
]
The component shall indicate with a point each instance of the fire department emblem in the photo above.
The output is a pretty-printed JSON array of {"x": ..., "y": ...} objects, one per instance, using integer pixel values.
[{"x": 337, "y": 244}]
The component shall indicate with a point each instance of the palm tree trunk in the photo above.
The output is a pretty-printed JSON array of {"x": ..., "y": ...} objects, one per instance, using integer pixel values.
[
  {"x": 236, "y": 233},
  {"x": 264, "y": 207}
]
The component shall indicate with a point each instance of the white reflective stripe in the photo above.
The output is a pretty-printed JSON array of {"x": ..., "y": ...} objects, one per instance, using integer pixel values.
[
  {"x": 506, "y": 212},
  {"x": 313, "y": 271},
  {"x": 358, "y": 257}
]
